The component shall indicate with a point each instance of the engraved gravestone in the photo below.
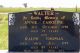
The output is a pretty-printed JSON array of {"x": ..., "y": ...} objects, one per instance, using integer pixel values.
[{"x": 44, "y": 31}]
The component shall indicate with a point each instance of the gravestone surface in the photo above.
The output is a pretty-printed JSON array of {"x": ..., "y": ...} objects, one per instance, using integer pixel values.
[{"x": 44, "y": 31}]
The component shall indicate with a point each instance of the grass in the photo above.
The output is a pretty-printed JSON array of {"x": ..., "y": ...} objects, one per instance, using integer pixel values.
[
  {"x": 19, "y": 9},
  {"x": 4, "y": 21},
  {"x": 3, "y": 31},
  {"x": 4, "y": 35},
  {"x": 67, "y": 9},
  {"x": 30, "y": 9}
]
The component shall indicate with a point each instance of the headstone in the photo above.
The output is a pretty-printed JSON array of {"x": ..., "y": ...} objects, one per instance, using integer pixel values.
[{"x": 44, "y": 31}]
